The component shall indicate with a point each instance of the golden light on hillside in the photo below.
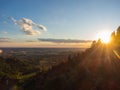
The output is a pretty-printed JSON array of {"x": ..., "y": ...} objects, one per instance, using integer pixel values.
[{"x": 104, "y": 36}]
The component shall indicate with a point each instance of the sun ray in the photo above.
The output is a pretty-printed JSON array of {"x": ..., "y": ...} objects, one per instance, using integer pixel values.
[{"x": 116, "y": 53}]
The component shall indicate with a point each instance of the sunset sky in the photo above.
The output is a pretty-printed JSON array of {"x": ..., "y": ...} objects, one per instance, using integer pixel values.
[{"x": 56, "y": 23}]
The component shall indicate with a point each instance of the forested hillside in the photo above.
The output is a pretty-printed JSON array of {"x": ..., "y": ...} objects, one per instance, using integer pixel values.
[{"x": 98, "y": 68}]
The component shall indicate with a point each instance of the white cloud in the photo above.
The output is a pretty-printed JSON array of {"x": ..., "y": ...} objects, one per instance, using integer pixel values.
[
  {"x": 27, "y": 26},
  {"x": 2, "y": 39},
  {"x": 3, "y": 32}
]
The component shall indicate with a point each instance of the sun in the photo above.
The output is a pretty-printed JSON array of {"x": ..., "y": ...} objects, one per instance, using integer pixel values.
[{"x": 104, "y": 36}]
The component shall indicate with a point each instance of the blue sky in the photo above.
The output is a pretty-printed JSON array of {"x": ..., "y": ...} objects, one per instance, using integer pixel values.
[{"x": 64, "y": 19}]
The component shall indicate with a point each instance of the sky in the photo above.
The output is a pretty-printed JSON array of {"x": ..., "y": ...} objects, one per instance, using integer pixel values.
[{"x": 40, "y": 23}]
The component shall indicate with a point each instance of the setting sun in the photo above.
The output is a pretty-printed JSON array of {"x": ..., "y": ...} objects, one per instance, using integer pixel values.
[{"x": 104, "y": 36}]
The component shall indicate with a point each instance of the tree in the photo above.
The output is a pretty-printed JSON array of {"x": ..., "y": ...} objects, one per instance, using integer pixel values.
[
  {"x": 93, "y": 45},
  {"x": 113, "y": 39},
  {"x": 117, "y": 39}
]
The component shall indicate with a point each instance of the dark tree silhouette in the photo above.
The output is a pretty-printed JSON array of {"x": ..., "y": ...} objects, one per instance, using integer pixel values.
[
  {"x": 115, "y": 39},
  {"x": 93, "y": 44}
]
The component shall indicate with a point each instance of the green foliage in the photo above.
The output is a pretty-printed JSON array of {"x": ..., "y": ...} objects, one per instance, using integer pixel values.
[{"x": 16, "y": 71}]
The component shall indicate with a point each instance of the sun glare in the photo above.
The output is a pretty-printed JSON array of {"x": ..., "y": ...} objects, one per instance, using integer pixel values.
[{"x": 104, "y": 36}]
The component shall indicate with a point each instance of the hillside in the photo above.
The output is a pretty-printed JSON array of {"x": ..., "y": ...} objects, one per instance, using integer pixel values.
[
  {"x": 95, "y": 69},
  {"x": 90, "y": 70}
]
